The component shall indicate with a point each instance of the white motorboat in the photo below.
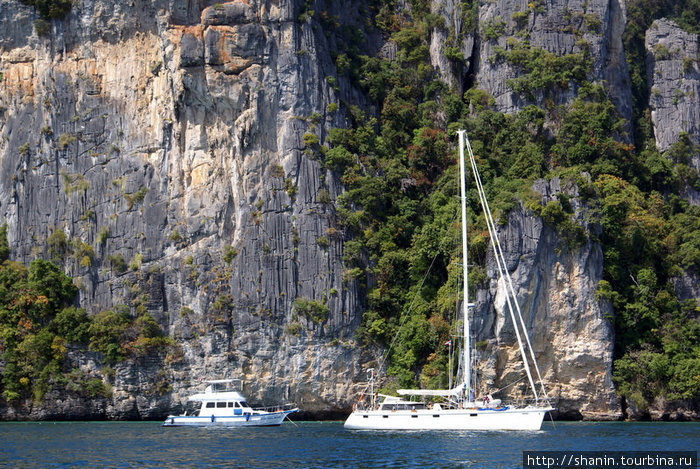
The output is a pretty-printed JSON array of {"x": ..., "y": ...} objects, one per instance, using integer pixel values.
[
  {"x": 223, "y": 404},
  {"x": 458, "y": 409}
]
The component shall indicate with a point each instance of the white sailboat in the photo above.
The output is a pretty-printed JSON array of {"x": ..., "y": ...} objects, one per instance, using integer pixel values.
[{"x": 459, "y": 409}]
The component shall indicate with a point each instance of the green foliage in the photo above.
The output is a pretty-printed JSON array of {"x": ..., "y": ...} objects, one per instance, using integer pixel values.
[
  {"x": 175, "y": 236},
  {"x": 117, "y": 262},
  {"x": 521, "y": 18},
  {"x": 229, "y": 254},
  {"x": 145, "y": 336},
  {"x": 669, "y": 365},
  {"x": 116, "y": 335},
  {"x": 493, "y": 29},
  {"x": 291, "y": 188},
  {"x": 103, "y": 235},
  {"x": 66, "y": 139},
  {"x": 592, "y": 21},
  {"x": 74, "y": 183},
  {"x": 135, "y": 262},
  {"x": 587, "y": 138},
  {"x": 322, "y": 242},
  {"x": 72, "y": 324},
  {"x": 30, "y": 349},
  {"x": 338, "y": 158},
  {"x": 310, "y": 140},
  {"x": 4, "y": 245},
  {"x": 323, "y": 197},
  {"x": 293, "y": 328},
  {"x": 542, "y": 70},
  {"x": 42, "y": 27},
  {"x": 568, "y": 229},
  {"x": 38, "y": 320},
  {"x": 82, "y": 252},
  {"x": 136, "y": 197},
  {"x": 49, "y": 282},
  {"x": 85, "y": 385},
  {"x": 50, "y": 9},
  {"x": 315, "y": 310},
  {"x": 657, "y": 336},
  {"x": 106, "y": 331},
  {"x": 399, "y": 210}
]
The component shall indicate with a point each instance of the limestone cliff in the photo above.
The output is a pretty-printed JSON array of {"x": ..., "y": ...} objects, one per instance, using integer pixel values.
[
  {"x": 558, "y": 27},
  {"x": 570, "y": 330},
  {"x": 167, "y": 136},
  {"x": 674, "y": 81},
  {"x": 170, "y": 137}
]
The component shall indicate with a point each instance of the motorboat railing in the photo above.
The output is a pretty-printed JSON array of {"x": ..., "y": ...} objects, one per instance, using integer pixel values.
[{"x": 275, "y": 408}]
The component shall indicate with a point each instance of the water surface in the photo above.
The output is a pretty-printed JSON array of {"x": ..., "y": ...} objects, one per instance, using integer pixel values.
[{"x": 316, "y": 445}]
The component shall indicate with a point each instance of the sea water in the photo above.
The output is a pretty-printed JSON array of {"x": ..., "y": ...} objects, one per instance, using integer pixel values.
[{"x": 317, "y": 445}]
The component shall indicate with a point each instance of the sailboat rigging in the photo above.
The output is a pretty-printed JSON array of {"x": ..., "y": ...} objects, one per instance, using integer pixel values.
[{"x": 461, "y": 411}]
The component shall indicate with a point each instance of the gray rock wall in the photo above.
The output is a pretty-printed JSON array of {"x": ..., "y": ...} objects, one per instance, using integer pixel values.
[
  {"x": 570, "y": 330},
  {"x": 560, "y": 27},
  {"x": 674, "y": 81},
  {"x": 171, "y": 136}
]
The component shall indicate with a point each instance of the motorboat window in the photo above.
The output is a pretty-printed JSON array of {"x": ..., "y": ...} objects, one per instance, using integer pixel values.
[
  {"x": 243, "y": 404},
  {"x": 220, "y": 404},
  {"x": 210, "y": 405},
  {"x": 230, "y": 404},
  {"x": 237, "y": 405}
]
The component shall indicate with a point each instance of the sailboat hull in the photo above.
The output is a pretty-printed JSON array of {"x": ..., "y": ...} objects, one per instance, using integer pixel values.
[{"x": 529, "y": 418}]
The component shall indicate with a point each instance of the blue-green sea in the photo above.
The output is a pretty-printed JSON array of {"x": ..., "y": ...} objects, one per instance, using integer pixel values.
[{"x": 316, "y": 445}]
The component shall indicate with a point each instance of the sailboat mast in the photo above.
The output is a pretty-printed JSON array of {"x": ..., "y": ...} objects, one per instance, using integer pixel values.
[{"x": 465, "y": 302}]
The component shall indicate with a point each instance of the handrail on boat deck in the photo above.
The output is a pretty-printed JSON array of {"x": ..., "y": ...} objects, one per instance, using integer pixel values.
[{"x": 276, "y": 408}]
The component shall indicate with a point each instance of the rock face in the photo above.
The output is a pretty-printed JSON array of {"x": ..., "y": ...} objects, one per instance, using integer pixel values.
[
  {"x": 674, "y": 81},
  {"x": 170, "y": 137},
  {"x": 570, "y": 331},
  {"x": 558, "y": 27}
]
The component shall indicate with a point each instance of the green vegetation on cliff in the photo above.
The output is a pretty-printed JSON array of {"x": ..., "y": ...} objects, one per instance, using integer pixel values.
[
  {"x": 39, "y": 324},
  {"x": 50, "y": 9},
  {"x": 399, "y": 211}
]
